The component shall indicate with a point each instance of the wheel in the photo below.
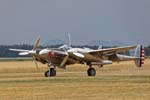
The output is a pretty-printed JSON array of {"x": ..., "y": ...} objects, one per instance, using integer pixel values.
[
  {"x": 47, "y": 73},
  {"x": 91, "y": 72},
  {"x": 51, "y": 72}
]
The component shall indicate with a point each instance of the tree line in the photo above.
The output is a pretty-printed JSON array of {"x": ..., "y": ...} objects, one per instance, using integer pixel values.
[{"x": 5, "y": 52}]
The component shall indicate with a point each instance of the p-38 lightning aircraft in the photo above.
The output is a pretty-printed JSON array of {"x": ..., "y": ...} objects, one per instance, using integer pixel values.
[{"x": 66, "y": 55}]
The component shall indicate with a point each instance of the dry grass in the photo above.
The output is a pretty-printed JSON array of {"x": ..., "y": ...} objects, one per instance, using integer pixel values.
[{"x": 21, "y": 81}]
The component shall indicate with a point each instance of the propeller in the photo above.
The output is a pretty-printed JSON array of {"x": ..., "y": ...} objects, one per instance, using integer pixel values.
[
  {"x": 36, "y": 64},
  {"x": 36, "y": 43},
  {"x": 33, "y": 51},
  {"x": 64, "y": 60},
  {"x": 29, "y": 52},
  {"x": 65, "y": 48}
]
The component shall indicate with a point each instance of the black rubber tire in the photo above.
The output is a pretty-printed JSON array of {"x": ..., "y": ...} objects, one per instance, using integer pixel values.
[
  {"x": 51, "y": 73},
  {"x": 46, "y": 73},
  {"x": 91, "y": 72}
]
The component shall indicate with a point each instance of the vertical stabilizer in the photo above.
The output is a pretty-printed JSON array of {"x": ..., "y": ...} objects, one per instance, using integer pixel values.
[
  {"x": 140, "y": 54},
  {"x": 100, "y": 47},
  {"x": 69, "y": 40}
]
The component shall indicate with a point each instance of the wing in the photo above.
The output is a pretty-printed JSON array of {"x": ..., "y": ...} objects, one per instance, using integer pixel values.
[
  {"x": 19, "y": 50},
  {"x": 97, "y": 55},
  {"x": 111, "y": 50}
]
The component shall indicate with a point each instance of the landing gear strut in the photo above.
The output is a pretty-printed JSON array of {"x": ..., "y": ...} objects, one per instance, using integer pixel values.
[
  {"x": 91, "y": 72},
  {"x": 50, "y": 73}
]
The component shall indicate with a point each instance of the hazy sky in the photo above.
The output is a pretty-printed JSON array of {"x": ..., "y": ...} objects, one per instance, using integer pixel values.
[{"x": 21, "y": 21}]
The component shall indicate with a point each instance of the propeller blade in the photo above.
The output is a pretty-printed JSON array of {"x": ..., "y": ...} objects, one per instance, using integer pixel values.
[
  {"x": 34, "y": 58},
  {"x": 27, "y": 52},
  {"x": 23, "y": 53},
  {"x": 64, "y": 60},
  {"x": 36, "y": 43}
]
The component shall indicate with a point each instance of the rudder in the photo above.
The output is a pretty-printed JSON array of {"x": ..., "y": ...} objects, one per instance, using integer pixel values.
[{"x": 140, "y": 54}]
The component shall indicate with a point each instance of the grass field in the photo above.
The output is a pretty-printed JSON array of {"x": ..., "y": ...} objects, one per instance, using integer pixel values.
[{"x": 20, "y": 80}]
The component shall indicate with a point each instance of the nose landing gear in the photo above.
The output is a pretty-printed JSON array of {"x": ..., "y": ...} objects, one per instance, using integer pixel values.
[{"x": 50, "y": 73}]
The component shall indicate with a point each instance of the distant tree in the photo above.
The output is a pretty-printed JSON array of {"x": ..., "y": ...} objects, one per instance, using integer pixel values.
[{"x": 147, "y": 51}]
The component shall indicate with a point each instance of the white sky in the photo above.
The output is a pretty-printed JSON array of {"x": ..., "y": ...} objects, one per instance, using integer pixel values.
[{"x": 21, "y": 21}]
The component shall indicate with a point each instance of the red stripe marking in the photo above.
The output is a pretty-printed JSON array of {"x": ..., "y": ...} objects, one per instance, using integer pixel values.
[
  {"x": 142, "y": 56},
  {"x": 51, "y": 54},
  {"x": 142, "y": 62},
  {"x": 143, "y": 59}
]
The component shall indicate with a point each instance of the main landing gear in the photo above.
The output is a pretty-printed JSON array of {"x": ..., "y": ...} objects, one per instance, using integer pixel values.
[{"x": 91, "y": 72}]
